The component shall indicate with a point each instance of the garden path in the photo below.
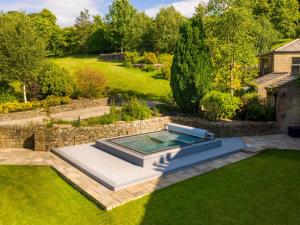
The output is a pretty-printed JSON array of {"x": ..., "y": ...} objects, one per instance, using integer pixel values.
[{"x": 68, "y": 115}]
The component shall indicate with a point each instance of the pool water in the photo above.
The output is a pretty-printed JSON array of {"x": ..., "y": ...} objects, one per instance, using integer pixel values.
[{"x": 156, "y": 141}]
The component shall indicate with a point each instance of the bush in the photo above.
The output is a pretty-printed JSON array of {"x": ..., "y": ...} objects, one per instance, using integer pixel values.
[
  {"x": 220, "y": 105},
  {"x": 149, "y": 68},
  {"x": 136, "y": 109},
  {"x": 7, "y": 97},
  {"x": 53, "y": 80},
  {"x": 132, "y": 57},
  {"x": 91, "y": 83},
  {"x": 166, "y": 60},
  {"x": 5, "y": 87},
  {"x": 150, "y": 58},
  {"x": 24, "y": 106},
  {"x": 257, "y": 111},
  {"x": 54, "y": 101}
]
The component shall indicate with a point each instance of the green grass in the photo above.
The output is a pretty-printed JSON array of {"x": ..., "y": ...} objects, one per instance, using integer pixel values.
[
  {"x": 149, "y": 85},
  {"x": 260, "y": 190}
]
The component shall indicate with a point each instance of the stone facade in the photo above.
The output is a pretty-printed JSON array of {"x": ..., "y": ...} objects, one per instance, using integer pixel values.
[
  {"x": 283, "y": 62},
  {"x": 42, "y": 138},
  {"x": 287, "y": 101}
]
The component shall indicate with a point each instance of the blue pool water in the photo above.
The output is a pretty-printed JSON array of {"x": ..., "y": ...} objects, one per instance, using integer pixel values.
[{"x": 156, "y": 141}]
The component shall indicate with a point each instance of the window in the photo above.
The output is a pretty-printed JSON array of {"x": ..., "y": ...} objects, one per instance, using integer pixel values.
[{"x": 296, "y": 66}]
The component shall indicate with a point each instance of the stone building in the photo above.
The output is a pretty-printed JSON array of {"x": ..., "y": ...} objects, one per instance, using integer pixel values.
[{"x": 279, "y": 83}]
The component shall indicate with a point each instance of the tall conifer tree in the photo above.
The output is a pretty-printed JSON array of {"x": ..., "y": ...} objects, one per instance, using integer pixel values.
[{"x": 191, "y": 72}]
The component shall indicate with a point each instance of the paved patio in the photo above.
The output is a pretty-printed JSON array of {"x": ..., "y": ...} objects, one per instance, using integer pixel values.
[{"x": 109, "y": 199}]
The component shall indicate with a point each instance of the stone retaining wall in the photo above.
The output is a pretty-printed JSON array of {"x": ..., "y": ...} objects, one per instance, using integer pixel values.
[
  {"x": 75, "y": 104},
  {"x": 42, "y": 138},
  {"x": 18, "y": 136}
]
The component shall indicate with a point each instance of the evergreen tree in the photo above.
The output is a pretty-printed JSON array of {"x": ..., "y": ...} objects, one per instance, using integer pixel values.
[{"x": 191, "y": 71}]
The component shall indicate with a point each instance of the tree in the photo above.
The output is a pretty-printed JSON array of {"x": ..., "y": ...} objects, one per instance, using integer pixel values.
[
  {"x": 83, "y": 30},
  {"x": 166, "y": 29},
  {"x": 45, "y": 23},
  {"x": 232, "y": 39},
  {"x": 118, "y": 19},
  {"x": 22, "y": 50},
  {"x": 191, "y": 71},
  {"x": 138, "y": 33}
]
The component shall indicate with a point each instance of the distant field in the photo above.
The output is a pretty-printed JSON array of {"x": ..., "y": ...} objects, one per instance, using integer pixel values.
[{"x": 149, "y": 85}]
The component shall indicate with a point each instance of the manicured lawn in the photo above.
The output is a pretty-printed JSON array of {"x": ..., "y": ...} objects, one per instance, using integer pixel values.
[
  {"x": 260, "y": 190},
  {"x": 125, "y": 80}
]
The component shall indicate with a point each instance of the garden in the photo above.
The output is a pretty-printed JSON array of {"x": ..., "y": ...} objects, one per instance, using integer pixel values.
[{"x": 259, "y": 190}]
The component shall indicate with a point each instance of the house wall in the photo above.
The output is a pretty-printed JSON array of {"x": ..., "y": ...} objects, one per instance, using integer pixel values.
[
  {"x": 283, "y": 62},
  {"x": 288, "y": 106}
]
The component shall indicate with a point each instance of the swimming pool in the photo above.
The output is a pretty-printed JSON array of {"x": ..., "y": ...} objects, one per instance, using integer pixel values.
[
  {"x": 149, "y": 149},
  {"x": 157, "y": 141}
]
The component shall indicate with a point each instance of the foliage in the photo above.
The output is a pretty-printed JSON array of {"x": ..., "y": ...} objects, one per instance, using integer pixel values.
[
  {"x": 138, "y": 34},
  {"x": 166, "y": 60},
  {"x": 7, "y": 97},
  {"x": 257, "y": 111},
  {"x": 46, "y": 26},
  {"x": 91, "y": 83},
  {"x": 166, "y": 29},
  {"x": 150, "y": 58},
  {"x": 24, "y": 106},
  {"x": 83, "y": 30},
  {"x": 22, "y": 50},
  {"x": 135, "y": 109},
  {"x": 191, "y": 71},
  {"x": 132, "y": 57},
  {"x": 149, "y": 68},
  {"x": 220, "y": 105},
  {"x": 118, "y": 18},
  {"x": 230, "y": 34},
  {"x": 53, "y": 80}
]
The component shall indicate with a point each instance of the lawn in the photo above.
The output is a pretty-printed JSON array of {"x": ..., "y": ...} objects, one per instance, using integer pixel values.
[
  {"x": 132, "y": 81},
  {"x": 260, "y": 190}
]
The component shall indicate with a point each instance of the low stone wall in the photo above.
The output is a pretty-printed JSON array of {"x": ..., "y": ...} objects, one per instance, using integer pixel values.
[
  {"x": 60, "y": 136},
  {"x": 229, "y": 128},
  {"x": 18, "y": 136},
  {"x": 42, "y": 138}
]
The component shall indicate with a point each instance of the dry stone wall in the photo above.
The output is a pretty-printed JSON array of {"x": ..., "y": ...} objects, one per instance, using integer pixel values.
[{"x": 42, "y": 138}]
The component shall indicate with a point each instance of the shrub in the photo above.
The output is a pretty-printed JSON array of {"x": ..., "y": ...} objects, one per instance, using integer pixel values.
[
  {"x": 220, "y": 105},
  {"x": 257, "y": 111},
  {"x": 54, "y": 101},
  {"x": 132, "y": 57},
  {"x": 149, "y": 68},
  {"x": 23, "y": 106},
  {"x": 91, "y": 83},
  {"x": 150, "y": 58},
  {"x": 5, "y": 87},
  {"x": 53, "y": 80},
  {"x": 166, "y": 60},
  {"x": 135, "y": 109},
  {"x": 7, "y": 97}
]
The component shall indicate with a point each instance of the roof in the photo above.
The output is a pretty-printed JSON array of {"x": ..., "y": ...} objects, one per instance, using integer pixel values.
[
  {"x": 293, "y": 46},
  {"x": 274, "y": 80},
  {"x": 290, "y": 47}
]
